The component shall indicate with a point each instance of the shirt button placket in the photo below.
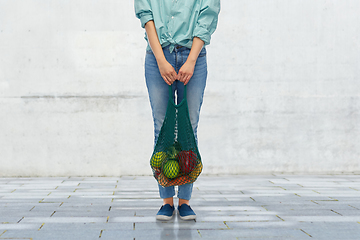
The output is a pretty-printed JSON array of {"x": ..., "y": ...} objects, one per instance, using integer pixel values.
[{"x": 171, "y": 24}]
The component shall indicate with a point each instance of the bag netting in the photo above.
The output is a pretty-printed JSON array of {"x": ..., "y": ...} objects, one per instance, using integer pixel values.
[{"x": 176, "y": 159}]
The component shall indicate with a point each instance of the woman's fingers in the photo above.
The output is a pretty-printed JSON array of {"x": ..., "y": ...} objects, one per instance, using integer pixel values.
[
  {"x": 170, "y": 77},
  {"x": 186, "y": 72},
  {"x": 167, "y": 72},
  {"x": 167, "y": 80},
  {"x": 187, "y": 79},
  {"x": 174, "y": 76},
  {"x": 181, "y": 77}
]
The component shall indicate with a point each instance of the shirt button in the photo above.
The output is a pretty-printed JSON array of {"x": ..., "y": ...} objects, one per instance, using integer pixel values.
[{"x": 172, "y": 17}]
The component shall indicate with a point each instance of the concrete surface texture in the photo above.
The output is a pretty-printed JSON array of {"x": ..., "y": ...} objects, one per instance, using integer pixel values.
[
  {"x": 323, "y": 207},
  {"x": 282, "y": 92}
]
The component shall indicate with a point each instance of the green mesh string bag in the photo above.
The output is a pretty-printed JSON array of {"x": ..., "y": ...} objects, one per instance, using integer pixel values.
[{"x": 176, "y": 159}]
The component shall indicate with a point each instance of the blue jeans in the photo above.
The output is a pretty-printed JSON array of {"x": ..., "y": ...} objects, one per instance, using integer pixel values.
[{"x": 159, "y": 95}]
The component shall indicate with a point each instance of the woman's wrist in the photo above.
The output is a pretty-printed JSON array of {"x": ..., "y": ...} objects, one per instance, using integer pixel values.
[
  {"x": 195, "y": 50},
  {"x": 161, "y": 60},
  {"x": 192, "y": 60}
]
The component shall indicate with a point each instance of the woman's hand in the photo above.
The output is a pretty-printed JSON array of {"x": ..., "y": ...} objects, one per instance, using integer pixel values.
[
  {"x": 186, "y": 71},
  {"x": 167, "y": 71}
]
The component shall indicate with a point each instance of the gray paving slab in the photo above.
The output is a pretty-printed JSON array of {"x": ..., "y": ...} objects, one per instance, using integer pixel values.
[
  {"x": 276, "y": 206},
  {"x": 87, "y": 226},
  {"x": 273, "y": 233},
  {"x": 53, "y": 234}
]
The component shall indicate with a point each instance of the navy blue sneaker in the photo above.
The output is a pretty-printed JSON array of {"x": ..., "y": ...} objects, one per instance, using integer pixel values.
[
  {"x": 186, "y": 213},
  {"x": 166, "y": 212}
]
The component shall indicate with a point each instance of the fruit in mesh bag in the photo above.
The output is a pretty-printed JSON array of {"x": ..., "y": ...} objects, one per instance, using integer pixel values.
[
  {"x": 171, "y": 169},
  {"x": 163, "y": 181},
  {"x": 173, "y": 150},
  {"x": 157, "y": 172},
  {"x": 157, "y": 159},
  {"x": 196, "y": 172},
  {"x": 179, "y": 181},
  {"x": 187, "y": 161}
]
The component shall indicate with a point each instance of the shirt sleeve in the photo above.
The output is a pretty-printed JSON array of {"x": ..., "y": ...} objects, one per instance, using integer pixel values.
[
  {"x": 207, "y": 20},
  {"x": 143, "y": 11}
]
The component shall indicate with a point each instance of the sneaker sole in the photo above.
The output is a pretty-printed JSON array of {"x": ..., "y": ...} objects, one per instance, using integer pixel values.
[
  {"x": 164, "y": 218},
  {"x": 190, "y": 217}
]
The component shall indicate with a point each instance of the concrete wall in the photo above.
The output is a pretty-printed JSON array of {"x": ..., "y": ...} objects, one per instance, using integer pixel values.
[{"x": 283, "y": 90}]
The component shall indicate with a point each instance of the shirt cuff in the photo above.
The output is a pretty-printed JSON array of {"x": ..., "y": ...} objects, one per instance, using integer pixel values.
[
  {"x": 203, "y": 34},
  {"x": 145, "y": 18}
]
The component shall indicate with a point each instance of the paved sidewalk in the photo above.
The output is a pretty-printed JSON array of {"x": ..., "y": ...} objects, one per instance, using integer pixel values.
[{"x": 235, "y": 207}]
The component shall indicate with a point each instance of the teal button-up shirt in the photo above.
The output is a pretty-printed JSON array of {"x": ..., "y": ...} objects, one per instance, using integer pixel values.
[{"x": 179, "y": 21}]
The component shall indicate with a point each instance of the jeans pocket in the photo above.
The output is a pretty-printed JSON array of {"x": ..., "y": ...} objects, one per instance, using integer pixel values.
[{"x": 202, "y": 53}]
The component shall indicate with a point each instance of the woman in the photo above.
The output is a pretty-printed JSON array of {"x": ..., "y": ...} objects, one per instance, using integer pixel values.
[{"x": 177, "y": 32}]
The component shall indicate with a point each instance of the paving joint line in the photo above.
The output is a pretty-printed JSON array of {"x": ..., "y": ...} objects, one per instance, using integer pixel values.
[
  {"x": 20, "y": 220},
  {"x": 101, "y": 233},
  {"x": 305, "y": 233},
  {"x": 226, "y": 225},
  {"x": 41, "y": 226},
  {"x": 3, "y": 233},
  {"x": 354, "y": 207},
  {"x": 314, "y": 202},
  {"x": 336, "y": 212}
]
